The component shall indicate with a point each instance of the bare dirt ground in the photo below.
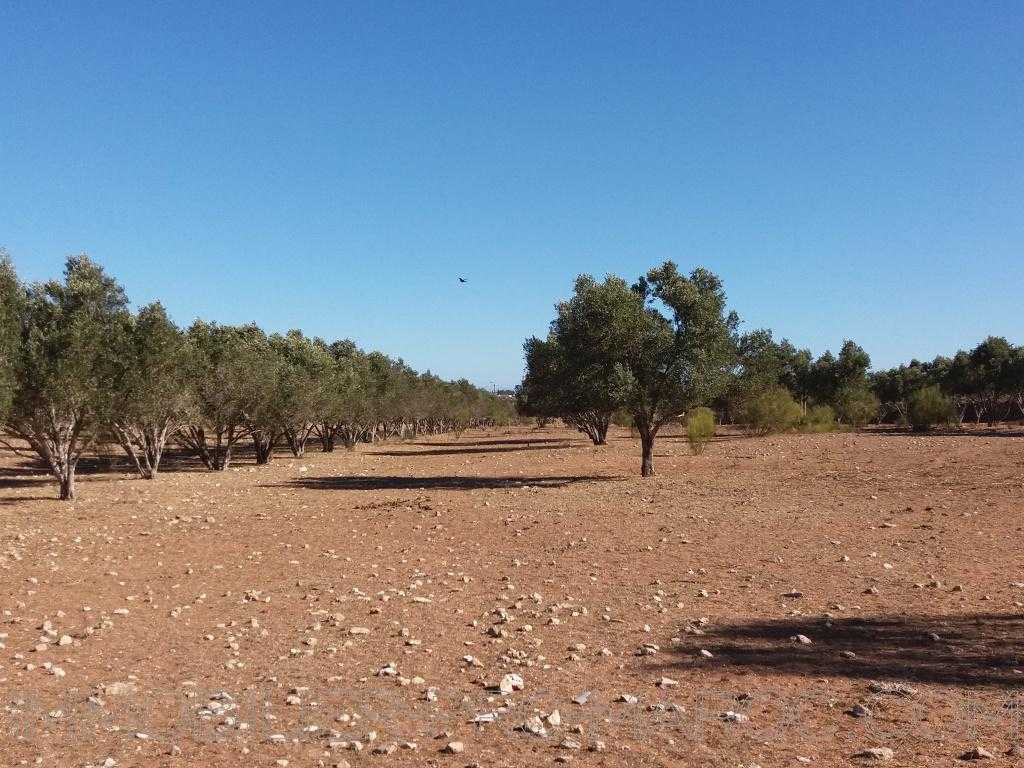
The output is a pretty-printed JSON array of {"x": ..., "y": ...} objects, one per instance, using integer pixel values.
[{"x": 377, "y": 598}]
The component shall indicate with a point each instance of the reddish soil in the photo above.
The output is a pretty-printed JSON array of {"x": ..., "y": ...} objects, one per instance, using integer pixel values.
[{"x": 249, "y": 582}]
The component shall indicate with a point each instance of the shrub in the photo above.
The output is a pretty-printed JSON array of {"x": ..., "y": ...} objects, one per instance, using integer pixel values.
[
  {"x": 772, "y": 411},
  {"x": 928, "y": 407},
  {"x": 857, "y": 405},
  {"x": 700, "y": 428},
  {"x": 820, "y": 418}
]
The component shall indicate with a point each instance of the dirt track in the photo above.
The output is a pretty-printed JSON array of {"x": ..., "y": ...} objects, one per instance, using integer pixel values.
[{"x": 533, "y": 553}]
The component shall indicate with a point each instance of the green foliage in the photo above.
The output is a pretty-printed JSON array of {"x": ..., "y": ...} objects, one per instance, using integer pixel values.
[
  {"x": 659, "y": 347},
  {"x": 986, "y": 382},
  {"x": 70, "y": 354},
  {"x": 300, "y": 388},
  {"x": 928, "y": 408},
  {"x": 231, "y": 375},
  {"x": 763, "y": 363},
  {"x": 155, "y": 384},
  {"x": 70, "y": 365},
  {"x": 774, "y": 410},
  {"x": 583, "y": 393},
  {"x": 155, "y": 398},
  {"x": 700, "y": 428},
  {"x": 828, "y": 376},
  {"x": 12, "y": 301},
  {"x": 856, "y": 404},
  {"x": 819, "y": 418},
  {"x": 623, "y": 418}
]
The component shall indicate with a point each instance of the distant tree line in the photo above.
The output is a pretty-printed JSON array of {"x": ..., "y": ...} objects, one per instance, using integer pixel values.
[
  {"x": 666, "y": 345},
  {"x": 983, "y": 384},
  {"x": 79, "y": 369}
]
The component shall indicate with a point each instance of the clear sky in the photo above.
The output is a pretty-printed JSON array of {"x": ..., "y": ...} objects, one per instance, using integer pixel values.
[{"x": 850, "y": 169}]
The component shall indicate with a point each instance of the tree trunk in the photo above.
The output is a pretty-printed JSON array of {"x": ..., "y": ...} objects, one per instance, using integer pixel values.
[
  {"x": 297, "y": 439},
  {"x": 647, "y": 455},
  {"x": 55, "y": 438},
  {"x": 263, "y": 443},
  {"x": 124, "y": 437},
  {"x": 326, "y": 434},
  {"x": 194, "y": 438},
  {"x": 156, "y": 441},
  {"x": 144, "y": 446},
  {"x": 220, "y": 457},
  {"x": 67, "y": 484},
  {"x": 647, "y": 428}
]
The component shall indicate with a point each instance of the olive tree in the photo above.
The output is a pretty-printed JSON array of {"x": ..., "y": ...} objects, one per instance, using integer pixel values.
[
  {"x": 69, "y": 366},
  {"x": 583, "y": 393},
  {"x": 155, "y": 399},
  {"x": 218, "y": 374},
  {"x": 302, "y": 386},
  {"x": 260, "y": 395},
  {"x": 12, "y": 304},
  {"x": 894, "y": 387},
  {"x": 337, "y": 376},
  {"x": 991, "y": 374},
  {"x": 667, "y": 338},
  {"x": 763, "y": 365}
]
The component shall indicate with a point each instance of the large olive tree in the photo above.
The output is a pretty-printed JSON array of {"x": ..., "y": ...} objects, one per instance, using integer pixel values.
[
  {"x": 303, "y": 386},
  {"x": 219, "y": 374},
  {"x": 583, "y": 393},
  {"x": 667, "y": 341},
  {"x": 69, "y": 367},
  {"x": 155, "y": 399}
]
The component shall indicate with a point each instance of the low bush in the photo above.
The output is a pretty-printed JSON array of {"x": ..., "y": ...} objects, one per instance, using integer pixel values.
[
  {"x": 928, "y": 407},
  {"x": 857, "y": 406},
  {"x": 820, "y": 418},
  {"x": 700, "y": 428},
  {"x": 774, "y": 410}
]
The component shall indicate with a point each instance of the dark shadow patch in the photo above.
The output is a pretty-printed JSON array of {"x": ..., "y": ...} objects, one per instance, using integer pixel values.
[
  {"x": 967, "y": 650},
  {"x": 970, "y": 431},
  {"x": 435, "y": 483},
  {"x": 457, "y": 450},
  {"x": 510, "y": 441}
]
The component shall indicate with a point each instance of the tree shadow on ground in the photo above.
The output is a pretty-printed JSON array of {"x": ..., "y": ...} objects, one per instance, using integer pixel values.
[
  {"x": 436, "y": 483},
  {"x": 40, "y": 482},
  {"x": 98, "y": 462},
  {"x": 968, "y": 650},
  {"x": 457, "y": 450},
  {"x": 46, "y": 484},
  {"x": 971, "y": 431},
  {"x": 509, "y": 441}
]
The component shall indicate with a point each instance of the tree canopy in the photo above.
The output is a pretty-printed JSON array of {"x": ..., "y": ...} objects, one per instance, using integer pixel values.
[
  {"x": 655, "y": 349},
  {"x": 78, "y": 369}
]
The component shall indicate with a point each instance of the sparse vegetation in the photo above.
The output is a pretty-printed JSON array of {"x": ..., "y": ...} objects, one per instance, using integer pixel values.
[
  {"x": 856, "y": 405},
  {"x": 774, "y": 410},
  {"x": 819, "y": 418},
  {"x": 79, "y": 368},
  {"x": 641, "y": 359},
  {"x": 986, "y": 383},
  {"x": 928, "y": 407},
  {"x": 700, "y": 428}
]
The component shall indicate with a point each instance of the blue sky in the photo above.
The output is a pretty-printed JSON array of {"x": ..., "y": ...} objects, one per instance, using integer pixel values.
[{"x": 849, "y": 169}]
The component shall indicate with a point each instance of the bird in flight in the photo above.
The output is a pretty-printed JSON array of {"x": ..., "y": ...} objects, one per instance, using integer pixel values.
[{"x": 462, "y": 280}]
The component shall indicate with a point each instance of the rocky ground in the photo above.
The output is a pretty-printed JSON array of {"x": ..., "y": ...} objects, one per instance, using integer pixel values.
[{"x": 524, "y": 598}]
